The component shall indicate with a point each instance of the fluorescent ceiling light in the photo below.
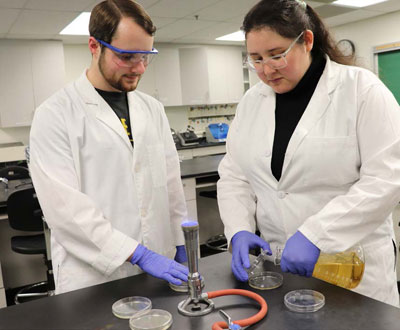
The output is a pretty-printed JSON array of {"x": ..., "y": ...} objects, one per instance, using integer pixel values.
[
  {"x": 235, "y": 36},
  {"x": 357, "y": 3},
  {"x": 79, "y": 26}
]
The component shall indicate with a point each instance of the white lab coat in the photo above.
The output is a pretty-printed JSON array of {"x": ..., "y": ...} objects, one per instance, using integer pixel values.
[
  {"x": 100, "y": 196},
  {"x": 341, "y": 173}
]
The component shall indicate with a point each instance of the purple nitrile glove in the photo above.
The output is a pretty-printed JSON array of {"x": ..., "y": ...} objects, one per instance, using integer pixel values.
[
  {"x": 180, "y": 255},
  {"x": 241, "y": 243},
  {"x": 159, "y": 266},
  {"x": 299, "y": 255}
]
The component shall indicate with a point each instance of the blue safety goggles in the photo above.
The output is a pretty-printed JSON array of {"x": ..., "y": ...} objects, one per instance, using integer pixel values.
[{"x": 129, "y": 58}]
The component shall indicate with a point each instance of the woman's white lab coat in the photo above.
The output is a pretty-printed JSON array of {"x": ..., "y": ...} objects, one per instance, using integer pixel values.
[
  {"x": 100, "y": 196},
  {"x": 341, "y": 174}
]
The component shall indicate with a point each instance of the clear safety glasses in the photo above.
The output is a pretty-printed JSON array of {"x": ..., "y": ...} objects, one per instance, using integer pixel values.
[
  {"x": 275, "y": 62},
  {"x": 129, "y": 58}
]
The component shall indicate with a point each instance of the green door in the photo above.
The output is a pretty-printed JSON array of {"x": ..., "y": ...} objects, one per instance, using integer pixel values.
[{"x": 389, "y": 71}]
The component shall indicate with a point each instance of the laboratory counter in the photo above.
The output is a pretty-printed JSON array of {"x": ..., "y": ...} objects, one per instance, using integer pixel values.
[
  {"x": 90, "y": 308},
  {"x": 202, "y": 144},
  {"x": 200, "y": 166}
]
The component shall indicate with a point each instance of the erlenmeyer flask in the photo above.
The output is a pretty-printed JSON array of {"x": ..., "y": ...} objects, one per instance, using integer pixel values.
[{"x": 344, "y": 269}]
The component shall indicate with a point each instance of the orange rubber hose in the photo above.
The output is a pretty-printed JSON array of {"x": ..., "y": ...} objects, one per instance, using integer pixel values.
[{"x": 245, "y": 322}]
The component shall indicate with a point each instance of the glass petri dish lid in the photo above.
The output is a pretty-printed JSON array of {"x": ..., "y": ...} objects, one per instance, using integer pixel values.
[
  {"x": 127, "y": 307},
  {"x": 155, "y": 319},
  {"x": 304, "y": 301},
  {"x": 265, "y": 280}
]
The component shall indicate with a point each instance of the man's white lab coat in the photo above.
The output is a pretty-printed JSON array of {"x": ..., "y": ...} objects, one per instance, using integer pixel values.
[{"x": 100, "y": 196}]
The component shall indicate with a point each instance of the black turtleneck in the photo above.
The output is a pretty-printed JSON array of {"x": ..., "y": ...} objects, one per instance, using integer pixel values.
[{"x": 290, "y": 107}]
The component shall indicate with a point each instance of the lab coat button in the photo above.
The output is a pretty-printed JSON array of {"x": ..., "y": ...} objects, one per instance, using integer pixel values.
[
  {"x": 137, "y": 168},
  {"x": 143, "y": 213},
  {"x": 281, "y": 194}
]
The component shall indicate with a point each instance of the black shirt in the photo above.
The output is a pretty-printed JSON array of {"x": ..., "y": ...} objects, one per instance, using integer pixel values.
[
  {"x": 289, "y": 108},
  {"x": 118, "y": 101}
]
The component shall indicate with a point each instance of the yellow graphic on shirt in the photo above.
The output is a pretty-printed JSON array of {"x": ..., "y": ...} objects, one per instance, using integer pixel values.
[{"x": 123, "y": 122}]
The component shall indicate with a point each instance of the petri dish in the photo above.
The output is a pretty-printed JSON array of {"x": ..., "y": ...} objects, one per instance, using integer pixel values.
[
  {"x": 265, "y": 280},
  {"x": 304, "y": 301},
  {"x": 184, "y": 286},
  {"x": 155, "y": 319},
  {"x": 127, "y": 307}
]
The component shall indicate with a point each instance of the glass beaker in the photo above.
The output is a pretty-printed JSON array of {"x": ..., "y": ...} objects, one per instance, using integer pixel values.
[{"x": 344, "y": 269}]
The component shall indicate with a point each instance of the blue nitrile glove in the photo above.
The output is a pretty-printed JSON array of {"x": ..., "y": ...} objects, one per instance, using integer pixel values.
[
  {"x": 299, "y": 255},
  {"x": 180, "y": 255},
  {"x": 241, "y": 243},
  {"x": 159, "y": 266}
]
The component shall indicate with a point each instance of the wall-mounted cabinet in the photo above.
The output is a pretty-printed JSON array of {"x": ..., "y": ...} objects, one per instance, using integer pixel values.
[
  {"x": 31, "y": 71},
  {"x": 211, "y": 75},
  {"x": 162, "y": 77}
]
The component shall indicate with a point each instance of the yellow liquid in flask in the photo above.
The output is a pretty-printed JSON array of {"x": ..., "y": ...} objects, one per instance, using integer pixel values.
[{"x": 342, "y": 269}]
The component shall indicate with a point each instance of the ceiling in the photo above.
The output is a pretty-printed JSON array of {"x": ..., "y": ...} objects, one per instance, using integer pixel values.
[{"x": 177, "y": 21}]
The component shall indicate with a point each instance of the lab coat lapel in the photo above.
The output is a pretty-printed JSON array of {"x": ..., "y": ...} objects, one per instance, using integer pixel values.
[
  {"x": 104, "y": 112},
  {"x": 268, "y": 105},
  {"x": 138, "y": 117},
  {"x": 316, "y": 108}
]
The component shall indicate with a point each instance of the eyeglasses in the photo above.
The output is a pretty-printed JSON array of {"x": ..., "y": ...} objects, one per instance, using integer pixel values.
[
  {"x": 128, "y": 58},
  {"x": 274, "y": 62}
]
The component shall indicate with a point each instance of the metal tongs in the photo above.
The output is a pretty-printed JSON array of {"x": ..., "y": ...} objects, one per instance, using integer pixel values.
[{"x": 228, "y": 320}]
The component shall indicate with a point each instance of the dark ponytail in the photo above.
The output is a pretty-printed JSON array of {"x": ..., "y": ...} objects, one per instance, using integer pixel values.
[{"x": 289, "y": 18}]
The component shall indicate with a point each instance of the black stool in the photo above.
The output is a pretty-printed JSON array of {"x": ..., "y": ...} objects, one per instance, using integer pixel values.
[
  {"x": 14, "y": 172},
  {"x": 24, "y": 214}
]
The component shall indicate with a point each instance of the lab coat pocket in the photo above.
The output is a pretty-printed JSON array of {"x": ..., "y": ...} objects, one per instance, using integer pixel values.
[
  {"x": 158, "y": 168},
  {"x": 332, "y": 161}
]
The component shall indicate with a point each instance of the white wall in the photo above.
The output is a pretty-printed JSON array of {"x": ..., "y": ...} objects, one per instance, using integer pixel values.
[
  {"x": 77, "y": 58},
  {"x": 16, "y": 135},
  {"x": 370, "y": 33},
  {"x": 177, "y": 117}
]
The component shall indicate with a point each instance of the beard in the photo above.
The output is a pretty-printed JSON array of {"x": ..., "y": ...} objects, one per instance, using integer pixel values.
[{"x": 115, "y": 82}]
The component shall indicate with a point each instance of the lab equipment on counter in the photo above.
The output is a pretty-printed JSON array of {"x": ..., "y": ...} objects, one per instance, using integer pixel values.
[
  {"x": 189, "y": 137},
  {"x": 141, "y": 316},
  {"x": 127, "y": 307},
  {"x": 175, "y": 137},
  {"x": 198, "y": 303},
  {"x": 184, "y": 287},
  {"x": 304, "y": 301},
  {"x": 344, "y": 269},
  {"x": 217, "y": 132},
  {"x": 261, "y": 279},
  {"x": 155, "y": 319}
]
